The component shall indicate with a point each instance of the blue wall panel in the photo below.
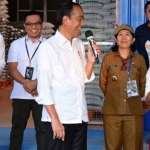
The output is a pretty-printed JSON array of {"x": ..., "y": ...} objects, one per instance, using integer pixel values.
[{"x": 132, "y": 12}]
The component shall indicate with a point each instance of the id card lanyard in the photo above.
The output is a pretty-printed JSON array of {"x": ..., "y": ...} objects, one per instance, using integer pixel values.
[
  {"x": 33, "y": 53},
  {"x": 129, "y": 66}
]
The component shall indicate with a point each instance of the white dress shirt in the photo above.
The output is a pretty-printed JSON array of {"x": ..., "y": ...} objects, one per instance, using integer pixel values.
[
  {"x": 61, "y": 78},
  {"x": 2, "y": 53},
  {"x": 147, "y": 86},
  {"x": 18, "y": 53}
]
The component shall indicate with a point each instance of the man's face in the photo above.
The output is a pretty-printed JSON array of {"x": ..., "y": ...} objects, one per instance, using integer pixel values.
[
  {"x": 75, "y": 22},
  {"x": 33, "y": 26},
  {"x": 147, "y": 13}
]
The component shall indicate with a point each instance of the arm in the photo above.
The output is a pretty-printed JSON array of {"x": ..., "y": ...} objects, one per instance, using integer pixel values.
[
  {"x": 45, "y": 93},
  {"x": 58, "y": 128},
  {"x": 146, "y": 103},
  {"x": 143, "y": 71},
  {"x": 147, "y": 87},
  {"x": 29, "y": 85},
  {"x": 103, "y": 76},
  {"x": 91, "y": 60},
  {"x": 12, "y": 68}
]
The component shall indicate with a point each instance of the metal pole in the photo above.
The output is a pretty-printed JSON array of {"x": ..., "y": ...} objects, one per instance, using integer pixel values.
[
  {"x": 17, "y": 10},
  {"x": 31, "y": 4},
  {"x": 45, "y": 11},
  {"x": 117, "y": 12}
]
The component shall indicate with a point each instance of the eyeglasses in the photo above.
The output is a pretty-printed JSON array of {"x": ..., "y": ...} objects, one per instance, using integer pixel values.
[{"x": 30, "y": 24}]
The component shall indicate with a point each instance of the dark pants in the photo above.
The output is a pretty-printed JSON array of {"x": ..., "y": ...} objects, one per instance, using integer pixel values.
[
  {"x": 21, "y": 113},
  {"x": 75, "y": 137}
]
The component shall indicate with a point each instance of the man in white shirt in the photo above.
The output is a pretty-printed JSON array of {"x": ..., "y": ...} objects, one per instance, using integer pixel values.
[
  {"x": 2, "y": 53},
  {"x": 62, "y": 73},
  {"x": 22, "y": 67}
]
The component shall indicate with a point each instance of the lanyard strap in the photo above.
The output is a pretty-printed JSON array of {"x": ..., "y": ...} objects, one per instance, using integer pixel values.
[
  {"x": 129, "y": 66},
  {"x": 33, "y": 53}
]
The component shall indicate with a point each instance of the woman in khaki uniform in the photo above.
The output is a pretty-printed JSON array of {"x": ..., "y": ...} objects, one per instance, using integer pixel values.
[{"x": 122, "y": 80}]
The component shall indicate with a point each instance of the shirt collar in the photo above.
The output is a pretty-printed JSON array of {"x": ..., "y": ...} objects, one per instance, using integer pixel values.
[
  {"x": 130, "y": 54},
  {"x": 39, "y": 40},
  {"x": 61, "y": 39}
]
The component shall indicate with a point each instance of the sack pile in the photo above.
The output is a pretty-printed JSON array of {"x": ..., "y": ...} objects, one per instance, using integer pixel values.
[
  {"x": 3, "y": 11},
  {"x": 47, "y": 30}
]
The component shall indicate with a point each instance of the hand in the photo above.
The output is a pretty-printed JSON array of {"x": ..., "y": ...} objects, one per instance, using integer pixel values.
[
  {"x": 58, "y": 129},
  {"x": 30, "y": 86},
  {"x": 34, "y": 92},
  {"x": 90, "y": 53},
  {"x": 146, "y": 105}
]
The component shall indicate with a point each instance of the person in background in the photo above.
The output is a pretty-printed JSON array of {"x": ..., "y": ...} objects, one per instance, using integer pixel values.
[
  {"x": 61, "y": 81},
  {"x": 122, "y": 80},
  {"x": 22, "y": 67},
  {"x": 142, "y": 35},
  {"x": 2, "y": 54},
  {"x": 146, "y": 103}
]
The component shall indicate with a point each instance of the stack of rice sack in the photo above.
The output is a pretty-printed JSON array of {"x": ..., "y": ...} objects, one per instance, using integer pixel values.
[
  {"x": 99, "y": 18},
  {"x": 10, "y": 34},
  {"x": 47, "y": 30},
  {"x": 3, "y": 11}
]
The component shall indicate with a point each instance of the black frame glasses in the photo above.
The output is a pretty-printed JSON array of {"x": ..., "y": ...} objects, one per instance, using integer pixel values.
[{"x": 30, "y": 24}]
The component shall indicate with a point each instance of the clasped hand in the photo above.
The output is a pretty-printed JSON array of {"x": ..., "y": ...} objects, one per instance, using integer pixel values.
[{"x": 31, "y": 87}]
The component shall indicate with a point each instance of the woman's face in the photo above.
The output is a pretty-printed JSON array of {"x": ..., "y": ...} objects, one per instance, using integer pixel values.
[{"x": 125, "y": 39}]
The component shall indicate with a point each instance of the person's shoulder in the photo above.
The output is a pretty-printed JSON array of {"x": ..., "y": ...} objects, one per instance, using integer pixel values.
[
  {"x": 140, "y": 27},
  {"x": 109, "y": 54},
  {"x": 1, "y": 36},
  {"x": 50, "y": 39},
  {"x": 19, "y": 41},
  {"x": 79, "y": 40},
  {"x": 138, "y": 56},
  {"x": 47, "y": 43}
]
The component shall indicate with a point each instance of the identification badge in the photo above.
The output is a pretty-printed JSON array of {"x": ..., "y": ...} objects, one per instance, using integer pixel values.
[
  {"x": 132, "y": 89},
  {"x": 29, "y": 73}
]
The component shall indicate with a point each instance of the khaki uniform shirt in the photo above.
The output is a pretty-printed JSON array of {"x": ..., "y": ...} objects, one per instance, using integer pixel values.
[{"x": 116, "y": 100}]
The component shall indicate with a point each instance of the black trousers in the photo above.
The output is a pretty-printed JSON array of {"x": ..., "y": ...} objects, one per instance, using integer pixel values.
[
  {"x": 75, "y": 137},
  {"x": 20, "y": 115}
]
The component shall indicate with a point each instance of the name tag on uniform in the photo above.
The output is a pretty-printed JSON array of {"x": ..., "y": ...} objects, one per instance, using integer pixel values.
[
  {"x": 112, "y": 66},
  {"x": 132, "y": 89}
]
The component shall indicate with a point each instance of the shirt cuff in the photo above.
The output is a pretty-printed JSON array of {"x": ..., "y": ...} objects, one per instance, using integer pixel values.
[{"x": 91, "y": 78}]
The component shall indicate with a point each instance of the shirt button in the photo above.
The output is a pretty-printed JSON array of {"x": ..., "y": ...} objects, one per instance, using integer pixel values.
[
  {"x": 125, "y": 89},
  {"x": 124, "y": 100}
]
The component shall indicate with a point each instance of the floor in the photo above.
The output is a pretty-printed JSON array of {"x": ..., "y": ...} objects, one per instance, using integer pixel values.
[{"x": 6, "y": 110}]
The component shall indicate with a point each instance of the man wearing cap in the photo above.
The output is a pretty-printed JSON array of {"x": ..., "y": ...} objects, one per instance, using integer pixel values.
[{"x": 122, "y": 80}]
